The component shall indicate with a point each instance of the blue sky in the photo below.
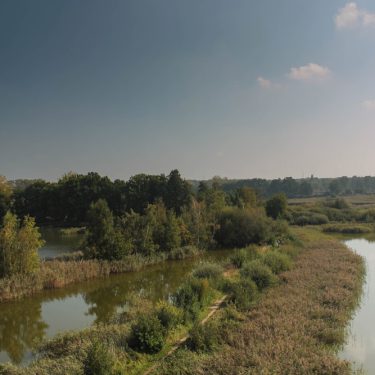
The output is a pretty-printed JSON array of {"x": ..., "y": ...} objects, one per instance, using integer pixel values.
[{"x": 232, "y": 88}]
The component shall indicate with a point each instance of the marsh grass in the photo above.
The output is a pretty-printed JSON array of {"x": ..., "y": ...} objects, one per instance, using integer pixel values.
[
  {"x": 298, "y": 326},
  {"x": 65, "y": 270}
]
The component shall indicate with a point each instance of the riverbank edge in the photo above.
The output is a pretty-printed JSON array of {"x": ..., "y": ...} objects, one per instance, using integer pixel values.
[
  {"x": 59, "y": 273},
  {"x": 298, "y": 327}
]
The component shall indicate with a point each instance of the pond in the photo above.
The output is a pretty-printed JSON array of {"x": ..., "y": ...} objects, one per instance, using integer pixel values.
[
  {"x": 26, "y": 322},
  {"x": 360, "y": 345},
  {"x": 57, "y": 243}
]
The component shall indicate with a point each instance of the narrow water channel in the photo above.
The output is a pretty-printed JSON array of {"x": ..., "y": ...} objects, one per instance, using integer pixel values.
[{"x": 360, "y": 346}]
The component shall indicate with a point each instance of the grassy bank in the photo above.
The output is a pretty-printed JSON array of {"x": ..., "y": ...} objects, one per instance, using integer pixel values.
[
  {"x": 296, "y": 327},
  {"x": 62, "y": 272}
]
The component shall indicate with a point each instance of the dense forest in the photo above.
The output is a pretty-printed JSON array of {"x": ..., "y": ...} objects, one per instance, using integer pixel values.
[
  {"x": 67, "y": 201},
  {"x": 294, "y": 188}
]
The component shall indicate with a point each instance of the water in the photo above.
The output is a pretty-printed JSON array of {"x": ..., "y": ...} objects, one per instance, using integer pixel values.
[
  {"x": 26, "y": 322},
  {"x": 360, "y": 346},
  {"x": 57, "y": 243}
]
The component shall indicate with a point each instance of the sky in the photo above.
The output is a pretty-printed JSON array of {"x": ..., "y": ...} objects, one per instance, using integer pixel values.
[{"x": 238, "y": 88}]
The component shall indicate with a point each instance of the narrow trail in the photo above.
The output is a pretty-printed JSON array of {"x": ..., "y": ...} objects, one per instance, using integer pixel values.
[{"x": 213, "y": 309}]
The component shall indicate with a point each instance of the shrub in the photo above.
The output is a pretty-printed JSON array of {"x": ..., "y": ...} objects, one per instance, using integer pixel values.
[
  {"x": 243, "y": 293},
  {"x": 99, "y": 361},
  {"x": 203, "y": 338},
  {"x": 311, "y": 219},
  {"x": 338, "y": 203},
  {"x": 277, "y": 262},
  {"x": 191, "y": 297},
  {"x": 241, "y": 256},
  {"x": 147, "y": 334},
  {"x": 240, "y": 228},
  {"x": 208, "y": 270},
  {"x": 259, "y": 273},
  {"x": 19, "y": 245},
  {"x": 276, "y": 206},
  {"x": 169, "y": 316}
]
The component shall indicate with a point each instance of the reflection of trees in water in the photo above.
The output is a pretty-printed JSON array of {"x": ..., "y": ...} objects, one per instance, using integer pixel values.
[
  {"x": 114, "y": 293},
  {"x": 21, "y": 327},
  {"x": 21, "y": 324}
]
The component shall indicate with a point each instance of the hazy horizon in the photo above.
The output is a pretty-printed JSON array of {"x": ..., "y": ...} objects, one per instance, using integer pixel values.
[{"x": 240, "y": 89}]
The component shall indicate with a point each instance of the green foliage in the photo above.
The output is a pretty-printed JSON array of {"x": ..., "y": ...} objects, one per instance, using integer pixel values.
[
  {"x": 5, "y": 196},
  {"x": 203, "y": 338},
  {"x": 242, "y": 293},
  {"x": 348, "y": 228},
  {"x": 308, "y": 218},
  {"x": 103, "y": 240},
  {"x": 191, "y": 297},
  {"x": 183, "y": 252},
  {"x": 277, "y": 262},
  {"x": 239, "y": 228},
  {"x": 276, "y": 206},
  {"x": 259, "y": 273},
  {"x": 147, "y": 334},
  {"x": 338, "y": 203},
  {"x": 19, "y": 245},
  {"x": 169, "y": 316},
  {"x": 208, "y": 270},
  {"x": 99, "y": 361},
  {"x": 241, "y": 256}
]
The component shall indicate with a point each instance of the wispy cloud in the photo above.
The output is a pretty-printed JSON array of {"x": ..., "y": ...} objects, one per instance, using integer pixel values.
[
  {"x": 351, "y": 16},
  {"x": 369, "y": 104},
  {"x": 310, "y": 72},
  {"x": 266, "y": 84}
]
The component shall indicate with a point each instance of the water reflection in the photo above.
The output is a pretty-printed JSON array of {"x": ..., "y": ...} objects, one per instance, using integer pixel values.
[
  {"x": 26, "y": 322},
  {"x": 20, "y": 328},
  {"x": 57, "y": 243}
]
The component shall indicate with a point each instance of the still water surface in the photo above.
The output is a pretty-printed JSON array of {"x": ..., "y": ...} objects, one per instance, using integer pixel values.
[
  {"x": 30, "y": 320},
  {"x": 360, "y": 346},
  {"x": 57, "y": 243}
]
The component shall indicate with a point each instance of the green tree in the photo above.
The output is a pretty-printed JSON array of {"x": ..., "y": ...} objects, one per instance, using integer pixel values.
[
  {"x": 104, "y": 240},
  {"x": 276, "y": 206},
  {"x": 178, "y": 192},
  {"x": 172, "y": 232},
  {"x": 5, "y": 196},
  {"x": 19, "y": 245}
]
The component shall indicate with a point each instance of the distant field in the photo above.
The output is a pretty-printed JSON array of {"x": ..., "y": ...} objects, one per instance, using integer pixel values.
[{"x": 360, "y": 200}]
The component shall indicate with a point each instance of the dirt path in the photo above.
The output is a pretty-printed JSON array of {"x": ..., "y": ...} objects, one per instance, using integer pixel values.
[{"x": 213, "y": 309}]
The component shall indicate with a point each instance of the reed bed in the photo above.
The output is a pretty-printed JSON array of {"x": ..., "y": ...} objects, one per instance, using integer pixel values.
[{"x": 297, "y": 327}]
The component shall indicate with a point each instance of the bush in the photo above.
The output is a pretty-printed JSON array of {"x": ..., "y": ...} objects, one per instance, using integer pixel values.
[
  {"x": 276, "y": 206},
  {"x": 208, "y": 270},
  {"x": 99, "y": 361},
  {"x": 338, "y": 203},
  {"x": 203, "y": 338},
  {"x": 241, "y": 256},
  {"x": 311, "y": 219},
  {"x": 147, "y": 334},
  {"x": 191, "y": 297},
  {"x": 277, "y": 262},
  {"x": 259, "y": 273},
  {"x": 243, "y": 293},
  {"x": 169, "y": 316},
  {"x": 240, "y": 228}
]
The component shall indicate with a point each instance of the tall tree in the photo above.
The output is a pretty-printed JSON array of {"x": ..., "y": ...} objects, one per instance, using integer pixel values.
[{"x": 19, "y": 245}]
